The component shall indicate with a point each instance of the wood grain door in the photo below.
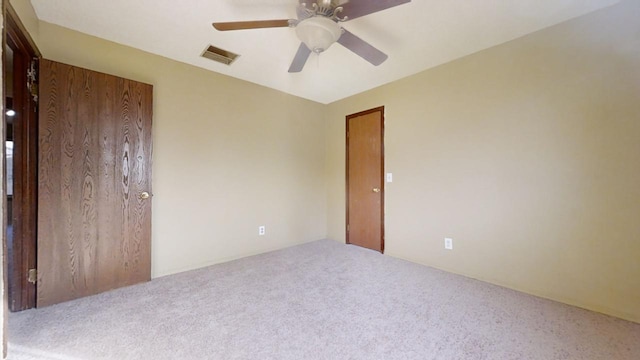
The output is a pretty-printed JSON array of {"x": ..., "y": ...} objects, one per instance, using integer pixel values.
[
  {"x": 365, "y": 185},
  {"x": 94, "y": 215}
]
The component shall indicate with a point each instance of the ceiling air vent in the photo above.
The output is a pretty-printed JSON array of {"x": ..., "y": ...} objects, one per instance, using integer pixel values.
[{"x": 219, "y": 55}]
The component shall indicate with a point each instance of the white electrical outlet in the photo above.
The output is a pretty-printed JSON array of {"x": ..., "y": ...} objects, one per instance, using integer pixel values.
[
  {"x": 448, "y": 243},
  {"x": 262, "y": 230}
]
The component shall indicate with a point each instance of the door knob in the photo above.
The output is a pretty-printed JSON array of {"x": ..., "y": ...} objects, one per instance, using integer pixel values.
[
  {"x": 144, "y": 195},
  {"x": 376, "y": 190}
]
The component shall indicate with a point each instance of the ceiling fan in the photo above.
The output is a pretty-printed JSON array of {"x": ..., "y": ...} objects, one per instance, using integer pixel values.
[{"x": 318, "y": 27}]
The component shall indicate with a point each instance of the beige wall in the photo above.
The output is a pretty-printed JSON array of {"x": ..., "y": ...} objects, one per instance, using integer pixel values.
[
  {"x": 527, "y": 155},
  {"x": 27, "y": 15},
  {"x": 228, "y": 156}
]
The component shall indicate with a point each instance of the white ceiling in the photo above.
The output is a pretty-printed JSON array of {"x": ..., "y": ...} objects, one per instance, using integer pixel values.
[{"x": 416, "y": 36}]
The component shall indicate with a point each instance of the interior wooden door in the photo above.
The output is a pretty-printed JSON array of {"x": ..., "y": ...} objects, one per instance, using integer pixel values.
[
  {"x": 365, "y": 173},
  {"x": 94, "y": 207}
]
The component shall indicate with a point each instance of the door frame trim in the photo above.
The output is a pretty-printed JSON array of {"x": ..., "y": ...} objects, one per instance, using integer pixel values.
[
  {"x": 19, "y": 28},
  {"x": 23, "y": 293},
  {"x": 379, "y": 109}
]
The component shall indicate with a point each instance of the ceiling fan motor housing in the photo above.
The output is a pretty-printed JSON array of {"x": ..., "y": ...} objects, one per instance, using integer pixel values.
[{"x": 318, "y": 33}]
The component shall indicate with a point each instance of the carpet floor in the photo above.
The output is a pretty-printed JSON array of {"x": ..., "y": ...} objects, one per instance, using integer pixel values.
[{"x": 321, "y": 300}]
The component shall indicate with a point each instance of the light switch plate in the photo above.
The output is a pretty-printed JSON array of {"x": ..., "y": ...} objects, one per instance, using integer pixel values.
[
  {"x": 448, "y": 243},
  {"x": 389, "y": 177}
]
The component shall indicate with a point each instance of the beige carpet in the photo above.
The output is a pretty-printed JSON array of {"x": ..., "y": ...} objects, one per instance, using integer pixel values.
[{"x": 321, "y": 300}]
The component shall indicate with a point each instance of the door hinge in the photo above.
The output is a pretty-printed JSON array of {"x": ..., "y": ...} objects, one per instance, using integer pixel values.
[
  {"x": 32, "y": 276},
  {"x": 32, "y": 79},
  {"x": 347, "y": 227}
]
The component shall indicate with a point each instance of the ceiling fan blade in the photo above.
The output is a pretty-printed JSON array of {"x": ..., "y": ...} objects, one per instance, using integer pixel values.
[
  {"x": 357, "y": 8},
  {"x": 259, "y": 24},
  {"x": 362, "y": 48},
  {"x": 300, "y": 59}
]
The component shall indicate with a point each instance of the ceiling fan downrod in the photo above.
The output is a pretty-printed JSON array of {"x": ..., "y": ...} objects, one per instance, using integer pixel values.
[{"x": 324, "y": 8}]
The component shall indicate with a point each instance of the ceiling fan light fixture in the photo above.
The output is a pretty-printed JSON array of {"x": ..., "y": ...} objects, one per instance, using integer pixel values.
[{"x": 318, "y": 33}]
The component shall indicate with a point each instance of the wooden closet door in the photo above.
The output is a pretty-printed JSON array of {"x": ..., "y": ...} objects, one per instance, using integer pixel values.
[
  {"x": 365, "y": 185},
  {"x": 94, "y": 215}
]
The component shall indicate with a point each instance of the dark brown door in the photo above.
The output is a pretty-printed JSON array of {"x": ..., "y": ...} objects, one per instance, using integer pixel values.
[
  {"x": 365, "y": 185},
  {"x": 94, "y": 205}
]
